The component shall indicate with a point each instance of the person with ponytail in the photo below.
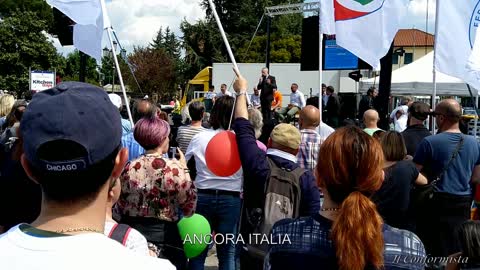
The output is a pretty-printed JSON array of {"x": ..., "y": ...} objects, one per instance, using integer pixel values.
[{"x": 348, "y": 233}]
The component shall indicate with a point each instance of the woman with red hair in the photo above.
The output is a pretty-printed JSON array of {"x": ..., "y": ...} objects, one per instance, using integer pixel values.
[{"x": 348, "y": 233}]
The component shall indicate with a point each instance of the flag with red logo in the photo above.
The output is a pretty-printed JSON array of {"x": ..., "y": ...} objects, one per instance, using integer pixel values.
[{"x": 367, "y": 28}]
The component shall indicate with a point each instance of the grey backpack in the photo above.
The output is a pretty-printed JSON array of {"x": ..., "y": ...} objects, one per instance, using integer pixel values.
[{"x": 282, "y": 200}]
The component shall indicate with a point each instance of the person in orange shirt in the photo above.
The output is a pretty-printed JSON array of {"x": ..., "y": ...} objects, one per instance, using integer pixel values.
[{"x": 277, "y": 100}]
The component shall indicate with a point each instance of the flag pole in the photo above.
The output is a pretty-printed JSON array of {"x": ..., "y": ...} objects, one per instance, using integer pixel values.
[
  {"x": 434, "y": 94},
  {"x": 229, "y": 50},
  {"x": 476, "y": 116},
  {"x": 109, "y": 31},
  {"x": 126, "y": 60},
  {"x": 320, "y": 63},
  {"x": 222, "y": 32}
]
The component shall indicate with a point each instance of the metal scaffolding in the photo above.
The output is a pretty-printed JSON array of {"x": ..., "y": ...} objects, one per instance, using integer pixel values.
[
  {"x": 292, "y": 9},
  {"x": 302, "y": 8}
]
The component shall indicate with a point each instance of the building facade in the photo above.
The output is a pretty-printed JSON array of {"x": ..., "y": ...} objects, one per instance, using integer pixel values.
[{"x": 410, "y": 45}]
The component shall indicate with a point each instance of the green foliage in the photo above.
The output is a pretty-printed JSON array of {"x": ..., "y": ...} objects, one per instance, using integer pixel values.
[
  {"x": 71, "y": 70},
  {"x": 202, "y": 43},
  {"x": 283, "y": 49},
  {"x": 171, "y": 46},
  {"x": 204, "y": 46},
  {"x": 24, "y": 45},
  {"x": 39, "y": 7},
  {"x": 287, "y": 25},
  {"x": 167, "y": 41},
  {"x": 107, "y": 69}
]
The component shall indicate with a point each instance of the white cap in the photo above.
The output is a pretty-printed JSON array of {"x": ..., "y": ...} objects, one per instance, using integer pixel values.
[{"x": 116, "y": 100}]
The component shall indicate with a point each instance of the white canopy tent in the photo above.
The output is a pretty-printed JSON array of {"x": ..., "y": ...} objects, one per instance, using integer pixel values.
[{"x": 417, "y": 79}]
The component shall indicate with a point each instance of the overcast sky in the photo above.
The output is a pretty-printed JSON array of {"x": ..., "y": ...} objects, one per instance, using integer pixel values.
[{"x": 137, "y": 21}]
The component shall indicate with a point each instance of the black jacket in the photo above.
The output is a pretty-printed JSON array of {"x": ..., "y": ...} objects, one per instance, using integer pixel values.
[
  {"x": 366, "y": 103},
  {"x": 333, "y": 106},
  {"x": 267, "y": 88}
]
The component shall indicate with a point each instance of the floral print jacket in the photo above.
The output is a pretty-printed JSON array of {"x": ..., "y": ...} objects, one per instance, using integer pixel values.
[{"x": 156, "y": 187}]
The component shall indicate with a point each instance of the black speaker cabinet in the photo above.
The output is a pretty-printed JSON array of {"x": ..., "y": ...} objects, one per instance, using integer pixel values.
[
  {"x": 310, "y": 44},
  {"x": 63, "y": 27}
]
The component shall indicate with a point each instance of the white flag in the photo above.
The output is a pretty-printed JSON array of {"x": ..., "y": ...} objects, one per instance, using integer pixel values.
[
  {"x": 90, "y": 23},
  {"x": 473, "y": 64},
  {"x": 457, "y": 23},
  {"x": 367, "y": 28},
  {"x": 327, "y": 17},
  {"x": 106, "y": 19}
]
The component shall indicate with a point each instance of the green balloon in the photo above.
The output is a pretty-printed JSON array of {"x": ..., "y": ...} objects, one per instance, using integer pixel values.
[{"x": 195, "y": 233}]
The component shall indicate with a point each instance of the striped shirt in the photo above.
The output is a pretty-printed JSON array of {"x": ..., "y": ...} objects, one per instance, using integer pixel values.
[
  {"x": 185, "y": 135},
  {"x": 309, "y": 147}
]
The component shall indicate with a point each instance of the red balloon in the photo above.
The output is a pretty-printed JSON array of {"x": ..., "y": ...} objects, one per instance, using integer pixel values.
[{"x": 221, "y": 155}]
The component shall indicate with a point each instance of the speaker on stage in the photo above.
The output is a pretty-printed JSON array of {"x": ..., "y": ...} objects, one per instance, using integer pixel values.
[
  {"x": 310, "y": 44},
  {"x": 63, "y": 27}
]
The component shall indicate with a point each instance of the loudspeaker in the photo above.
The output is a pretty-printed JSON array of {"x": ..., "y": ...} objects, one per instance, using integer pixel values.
[
  {"x": 349, "y": 105},
  {"x": 355, "y": 75},
  {"x": 63, "y": 27},
  {"x": 310, "y": 44}
]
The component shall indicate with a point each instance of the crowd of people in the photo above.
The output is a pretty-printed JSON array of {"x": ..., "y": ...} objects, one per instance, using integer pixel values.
[{"x": 74, "y": 174}]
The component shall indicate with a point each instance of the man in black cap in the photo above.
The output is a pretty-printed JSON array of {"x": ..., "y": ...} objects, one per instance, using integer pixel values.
[
  {"x": 72, "y": 149},
  {"x": 416, "y": 130}
]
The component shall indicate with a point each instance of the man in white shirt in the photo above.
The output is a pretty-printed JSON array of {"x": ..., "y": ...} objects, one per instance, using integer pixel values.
[
  {"x": 324, "y": 130},
  {"x": 399, "y": 116},
  {"x": 224, "y": 92},
  {"x": 255, "y": 98},
  {"x": 209, "y": 98},
  {"x": 68, "y": 234},
  {"x": 297, "y": 102}
]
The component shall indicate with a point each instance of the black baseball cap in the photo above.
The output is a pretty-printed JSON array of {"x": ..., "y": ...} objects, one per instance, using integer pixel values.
[
  {"x": 76, "y": 112},
  {"x": 420, "y": 110}
]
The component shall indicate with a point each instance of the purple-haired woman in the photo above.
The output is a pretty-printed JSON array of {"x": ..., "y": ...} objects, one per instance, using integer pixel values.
[{"x": 154, "y": 189}]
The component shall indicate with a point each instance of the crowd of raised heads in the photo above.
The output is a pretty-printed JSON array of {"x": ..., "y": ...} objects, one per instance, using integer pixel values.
[{"x": 290, "y": 190}]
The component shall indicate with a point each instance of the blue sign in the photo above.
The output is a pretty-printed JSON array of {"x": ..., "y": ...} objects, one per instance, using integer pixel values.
[{"x": 337, "y": 57}]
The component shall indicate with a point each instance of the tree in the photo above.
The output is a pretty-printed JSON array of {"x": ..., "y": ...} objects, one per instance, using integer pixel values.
[
  {"x": 154, "y": 69},
  {"x": 39, "y": 7},
  {"x": 203, "y": 44},
  {"x": 159, "y": 40},
  {"x": 167, "y": 41},
  {"x": 171, "y": 45},
  {"x": 107, "y": 70},
  {"x": 283, "y": 49},
  {"x": 71, "y": 71},
  {"x": 23, "y": 45},
  {"x": 240, "y": 18}
]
